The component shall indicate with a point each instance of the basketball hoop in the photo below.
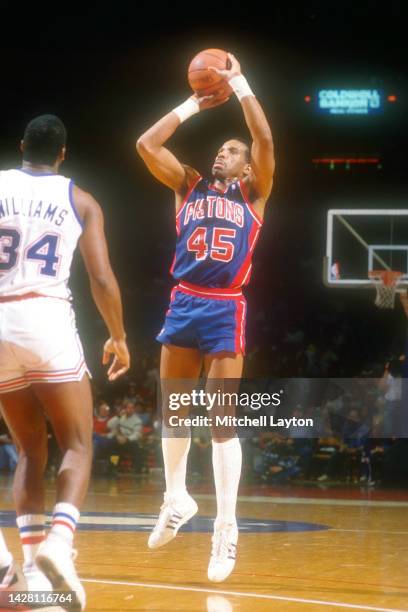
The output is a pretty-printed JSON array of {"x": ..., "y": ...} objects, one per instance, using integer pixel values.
[{"x": 385, "y": 283}]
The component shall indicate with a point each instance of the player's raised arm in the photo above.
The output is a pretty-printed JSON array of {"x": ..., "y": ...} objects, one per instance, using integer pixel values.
[
  {"x": 104, "y": 287},
  {"x": 262, "y": 152},
  {"x": 160, "y": 161}
]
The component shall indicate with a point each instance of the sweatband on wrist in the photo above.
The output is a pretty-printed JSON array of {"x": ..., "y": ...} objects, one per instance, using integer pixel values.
[
  {"x": 240, "y": 86},
  {"x": 189, "y": 108}
]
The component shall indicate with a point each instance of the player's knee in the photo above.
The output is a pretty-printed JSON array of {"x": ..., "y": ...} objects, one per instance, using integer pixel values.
[
  {"x": 75, "y": 436},
  {"x": 80, "y": 445}
]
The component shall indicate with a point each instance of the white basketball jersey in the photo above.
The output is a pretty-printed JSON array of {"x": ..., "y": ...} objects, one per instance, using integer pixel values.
[{"x": 39, "y": 231}]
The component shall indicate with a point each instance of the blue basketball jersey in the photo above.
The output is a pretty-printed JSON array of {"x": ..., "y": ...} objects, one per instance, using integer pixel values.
[{"x": 216, "y": 236}]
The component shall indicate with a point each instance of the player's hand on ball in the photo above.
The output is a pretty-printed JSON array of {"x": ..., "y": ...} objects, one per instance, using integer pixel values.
[
  {"x": 121, "y": 359},
  {"x": 210, "y": 101},
  {"x": 232, "y": 71}
]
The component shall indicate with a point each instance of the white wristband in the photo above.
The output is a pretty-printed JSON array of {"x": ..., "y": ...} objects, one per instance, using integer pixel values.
[
  {"x": 240, "y": 86},
  {"x": 189, "y": 108}
]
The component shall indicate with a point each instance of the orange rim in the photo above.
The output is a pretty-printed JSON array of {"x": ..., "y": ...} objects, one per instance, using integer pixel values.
[{"x": 389, "y": 278}]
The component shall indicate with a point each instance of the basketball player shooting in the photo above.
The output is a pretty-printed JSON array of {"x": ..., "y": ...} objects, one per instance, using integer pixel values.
[
  {"x": 218, "y": 222},
  {"x": 42, "y": 367}
]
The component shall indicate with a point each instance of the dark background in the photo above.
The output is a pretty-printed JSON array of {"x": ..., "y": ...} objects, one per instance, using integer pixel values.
[{"x": 110, "y": 72}]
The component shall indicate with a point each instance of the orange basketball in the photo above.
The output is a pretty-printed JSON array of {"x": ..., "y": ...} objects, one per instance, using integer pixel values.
[{"x": 206, "y": 82}]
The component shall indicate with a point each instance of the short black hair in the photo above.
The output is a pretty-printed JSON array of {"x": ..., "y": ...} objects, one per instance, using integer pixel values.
[
  {"x": 44, "y": 137},
  {"x": 247, "y": 148}
]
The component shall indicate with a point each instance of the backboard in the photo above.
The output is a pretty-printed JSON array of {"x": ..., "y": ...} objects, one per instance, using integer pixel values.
[{"x": 361, "y": 240}]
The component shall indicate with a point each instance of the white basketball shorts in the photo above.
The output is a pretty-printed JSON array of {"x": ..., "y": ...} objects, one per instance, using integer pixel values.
[{"x": 39, "y": 343}]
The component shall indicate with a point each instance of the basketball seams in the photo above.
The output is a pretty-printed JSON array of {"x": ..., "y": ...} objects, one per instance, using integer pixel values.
[
  {"x": 220, "y": 59},
  {"x": 202, "y": 70},
  {"x": 213, "y": 55}
]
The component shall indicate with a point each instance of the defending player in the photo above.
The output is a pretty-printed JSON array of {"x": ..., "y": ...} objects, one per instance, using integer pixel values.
[
  {"x": 42, "y": 369},
  {"x": 218, "y": 223}
]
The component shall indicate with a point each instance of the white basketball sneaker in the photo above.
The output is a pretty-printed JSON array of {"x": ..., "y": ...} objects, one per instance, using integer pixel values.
[
  {"x": 173, "y": 514},
  {"x": 223, "y": 553},
  {"x": 55, "y": 558},
  {"x": 35, "y": 579},
  {"x": 12, "y": 579}
]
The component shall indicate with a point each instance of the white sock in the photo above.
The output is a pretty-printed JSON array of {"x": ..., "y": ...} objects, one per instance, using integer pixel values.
[
  {"x": 32, "y": 533},
  {"x": 64, "y": 520},
  {"x": 175, "y": 453},
  {"x": 227, "y": 461},
  {"x": 6, "y": 557}
]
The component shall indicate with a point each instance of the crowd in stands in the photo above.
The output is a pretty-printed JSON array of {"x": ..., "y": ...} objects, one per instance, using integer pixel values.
[
  {"x": 350, "y": 442},
  {"x": 8, "y": 452},
  {"x": 358, "y": 436}
]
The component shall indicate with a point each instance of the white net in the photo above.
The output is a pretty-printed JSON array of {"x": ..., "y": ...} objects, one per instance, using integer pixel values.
[{"x": 385, "y": 283}]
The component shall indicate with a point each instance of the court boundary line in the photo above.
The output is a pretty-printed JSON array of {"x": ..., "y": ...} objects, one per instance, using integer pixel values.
[
  {"x": 367, "y": 531},
  {"x": 171, "y": 587},
  {"x": 312, "y": 501},
  {"x": 269, "y": 499}
]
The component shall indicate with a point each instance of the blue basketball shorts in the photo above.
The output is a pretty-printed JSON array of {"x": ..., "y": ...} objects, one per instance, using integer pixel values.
[{"x": 208, "y": 319}]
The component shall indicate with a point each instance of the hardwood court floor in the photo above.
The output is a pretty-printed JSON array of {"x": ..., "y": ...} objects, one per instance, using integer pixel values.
[{"x": 299, "y": 550}]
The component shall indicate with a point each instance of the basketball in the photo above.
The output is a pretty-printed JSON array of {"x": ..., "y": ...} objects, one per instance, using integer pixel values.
[{"x": 204, "y": 81}]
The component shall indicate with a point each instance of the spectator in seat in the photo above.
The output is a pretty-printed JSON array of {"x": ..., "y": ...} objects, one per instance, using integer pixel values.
[
  {"x": 126, "y": 434},
  {"x": 8, "y": 451},
  {"x": 391, "y": 385},
  {"x": 101, "y": 429}
]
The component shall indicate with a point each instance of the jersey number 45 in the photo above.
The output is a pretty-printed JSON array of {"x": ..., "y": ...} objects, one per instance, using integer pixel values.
[{"x": 221, "y": 249}]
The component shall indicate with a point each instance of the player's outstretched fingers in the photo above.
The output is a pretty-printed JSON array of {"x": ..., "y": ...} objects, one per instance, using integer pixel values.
[
  {"x": 116, "y": 369},
  {"x": 121, "y": 359}
]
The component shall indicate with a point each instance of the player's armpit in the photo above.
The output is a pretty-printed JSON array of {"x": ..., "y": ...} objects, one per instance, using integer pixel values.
[
  {"x": 255, "y": 196},
  {"x": 192, "y": 175}
]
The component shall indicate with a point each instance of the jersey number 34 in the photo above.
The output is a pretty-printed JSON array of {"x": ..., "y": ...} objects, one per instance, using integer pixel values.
[{"x": 43, "y": 250}]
